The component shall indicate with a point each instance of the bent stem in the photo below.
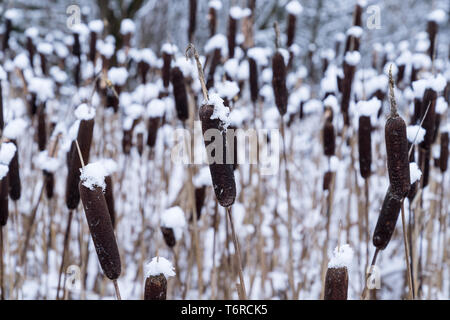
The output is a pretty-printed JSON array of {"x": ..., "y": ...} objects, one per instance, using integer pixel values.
[{"x": 241, "y": 287}]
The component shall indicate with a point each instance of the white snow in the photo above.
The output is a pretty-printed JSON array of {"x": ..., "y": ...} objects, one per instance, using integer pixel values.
[
  {"x": 368, "y": 108},
  {"x": 419, "y": 87},
  {"x": 215, "y": 4},
  {"x": 437, "y": 83},
  {"x": 227, "y": 89},
  {"x": 437, "y": 16},
  {"x": 159, "y": 265},
  {"x": 294, "y": 7},
  {"x": 414, "y": 172},
  {"x": 32, "y": 32},
  {"x": 96, "y": 26},
  {"x": 441, "y": 105},
  {"x": 109, "y": 165},
  {"x": 342, "y": 257},
  {"x": 15, "y": 128},
  {"x": 12, "y": 14},
  {"x": 7, "y": 152},
  {"x": 21, "y": 61},
  {"x": 239, "y": 13},
  {"x": 3, "y": 170},
  {"x": 169, "y": 48},
  {"x": 44, "y": 48},
  {"x": 260, "y": 55},
  {"x": 47, "y": 163},
  {"x": 174, "y": 218},
  {"x": 127, "y": 26},
  {"x": 93, "y": 175},
  {"x": 220, "y": 111},
  {"x": 118, "y": 76},
  {"x": 43, "y": 87},
  {"x": 84, "y": 112},
  {"x": 334, "y": 163},
  {"x": 413, "y": 131},
  {"x": 156, "y": 108},
  {"x": 106, "y": 49},
  {"x": 203, "y": 178},
  {"x": 285, "y": 55},
  {"x": 355, "y": 31},
  {"x": 218, "y": 41},
  {"x": 352, "y": 58}
]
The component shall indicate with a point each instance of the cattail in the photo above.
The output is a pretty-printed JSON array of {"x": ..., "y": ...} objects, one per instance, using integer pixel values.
[
  {"x": 192, "y": 19},
  {"x": 4, "y": 186},
  {"x": 179, "y": 92},
  {"x": 424, "y": 163},
  {"x": 127, "y": 142},
  {"x": 109, "y": 198},
  {"x": 279, "y": 82},
  {"x": 42, "y": 128},
  {"x": 387, "y": 219},
  {"x": 294, "y": 9},
  {"x": 365, "y": 146},
  {"x": 428, "y": 102},
  {"x": 352, "y": 58},
  {"x": 169, "y": 236},
  {"x": 140, "y": 143},
  {"x": 214, "y": 7},
  {"x": 221, "y": 172},
  {"x": 158, "y": 270},
  {"x": 397, "y": 148},
  {"x": 432, "y": 29},
  {"x": 329, "y": 139},
  {"x": 153, "y": 125},
  {"x": 6, "y": 33},
  {"x": 443, "y": 158},
  {"x": 336, "y": 278},
  {"x": 91, "y": 189},
  {"x": 212, "y": 69},
  {"x": 14, "y": 175},
  {"x": 167, "y": 58},
  {"x": 2, "y": 121},
  {"x": 357, "y": 18},
  {"x": 49, "y": 184},
  {"x": 253, "y": 79},
  {"x": 328, "y": 176},
  {"x": 200, "y": 194},
  {"x": 84, "y": 139},
  {"x": 231, "y": 35},
  {"x": 92, "y": 46}
]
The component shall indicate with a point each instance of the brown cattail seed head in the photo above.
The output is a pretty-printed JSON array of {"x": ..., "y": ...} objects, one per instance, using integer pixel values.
[
  {"x": 15, "y": 187},
  {"x": 101, "y": 229},
  {"x": 232, "y": 29},
  {"x": 387, "y": 219},
  {"x": 169, "y": 236},
  {"x": 167, "y": 58},
  {"x": 221, "y": 173},
  {"x": 42, "y": 130},
  {"x": 253, "y": 77},
  {"x": 4, "y": 186},
  {"x": 49, "y": 184},
  {"x": 109, "y": 198},
  {"x": 192, "y": 19},
  {"x": 279, "y": 82},
  {"x": 443, "y": 158},
  {"x": 153, "y": 125},
  {"x": 365, "y": 146},
  {"x": 179, "y": 92},
  {"x": 397, "y": 149},
  {"x": 155, "y": 287},
  {"x": 329, "y": 139},
  {"x": 336, "y": 284}
]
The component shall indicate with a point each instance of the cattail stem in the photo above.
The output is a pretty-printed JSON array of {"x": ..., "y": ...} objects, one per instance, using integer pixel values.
[
  {"x": 63, "y": 258},
  {"x": 199, "y": 68},
  {"x": 116, "y": 289},
  {"x": 374, "y": 261},
  {"x": 242, "y": 292},
  {"x": 408, "y": 267},
  {"x": 2, "y": 281}
]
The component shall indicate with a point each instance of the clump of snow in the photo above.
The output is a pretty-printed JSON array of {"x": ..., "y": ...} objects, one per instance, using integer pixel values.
[
  {"x": 21, "y": 61},
  {"x": 294, "y": 8},
  {"x": 441, "y": 105},
  {"x": 342, "y": 257},
  {"x": 414, "y": 172},
  {"x": 220, "y": 111},
  {"x": 3, "y": 170},
  {"x": 169, "y": 48},
  {"x": 218, "y": 41},
  {"x": 44, "y": 48},
  {"x": 93, "y": 175},
  {"x": 239, "y": 13},
  {"x": 96, "y": 26},
  {"x": 215, "y": 4},
  {"x": 355, "y": 31},
  {"x": 419, "y": 87},
  {"x": 352, "y": 58},
  {"x": 334, "y": 163},
  {"x": 2, "y": 74},
  {"x": 12, "y": 14},
  {"x": 127, "y": 26},
  {"x": 7, "y": 152},
  {"x": 312, "y": 106},
  {"x": 32, "y": 32},
  {"x": 227, "y": 89},
  {"x": 159, "y": 265},
  {"x": 109, "y": 165},
  {"x": 118, "y": 76},
  {"x": 156, "y": 108},
  {"x": 260, "y": 55},
  {"x": 413, "y": 131},
  {"x": 14, "y": 128},
  {"x": 421, "y": 60},
  {"x": 106, "y": 49},
  {"x": 84, "y": 112},
  {"x": 203, "y": 178},
  {"x": 174, "y": 218},
  {"x": 285, "y": 55},
  {"x": 332, "y": 102},
  {"x": 437, "y": 16},
  {"x": 43, "y": 88},
  {"x": 438, "y": 83},
  {"x": 368, "y": 108},
  {"x": 47, "y": 163}
]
